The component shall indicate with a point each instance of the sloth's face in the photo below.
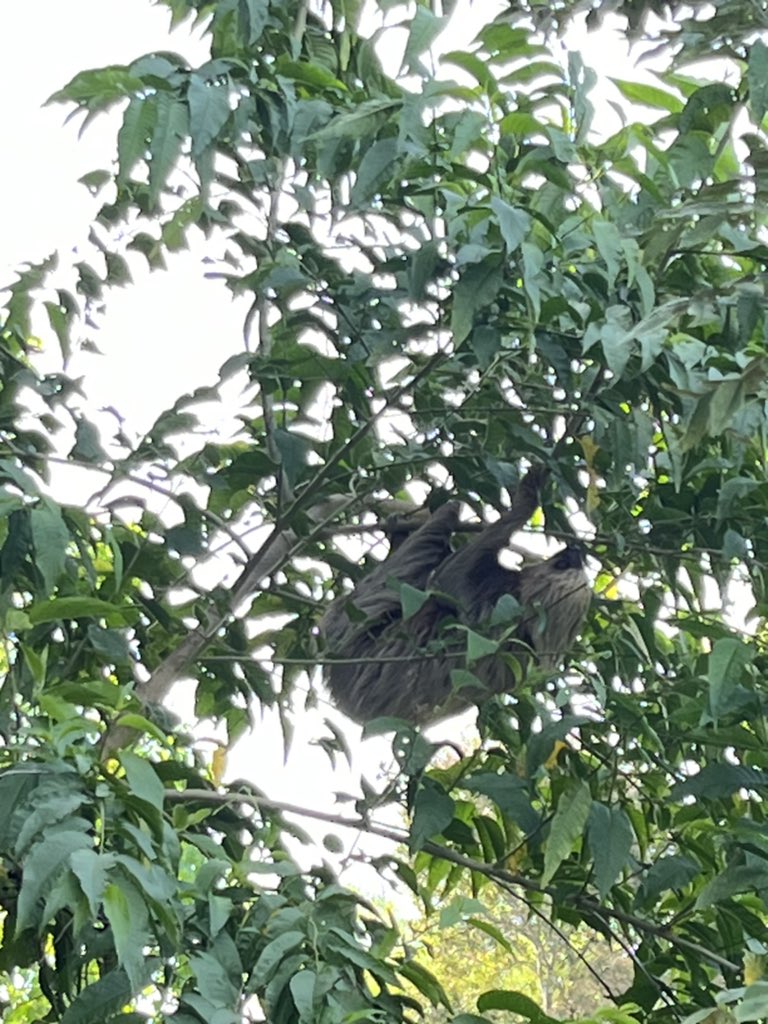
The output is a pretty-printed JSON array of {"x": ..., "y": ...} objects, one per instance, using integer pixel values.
[{"x": 569, "y": 558}]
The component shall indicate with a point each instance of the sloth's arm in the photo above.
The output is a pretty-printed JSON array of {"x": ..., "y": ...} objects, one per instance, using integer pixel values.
[
  {"x": 412, "y": 563},
  {"x": 465, "y": 574}
]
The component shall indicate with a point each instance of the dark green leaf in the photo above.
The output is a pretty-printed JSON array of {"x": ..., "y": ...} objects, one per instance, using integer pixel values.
[
  {"x": 757, "y": 78},
  {"x": 209, "y": 111},
  {"x": 51, "y": 537},
  {"x": 103, "y": 999},
  {"x": 610, "y": 838},
  {"x": 510, "y": 794},
  {"x": 513, "y": 223},
  {"x": 170, "y": 130},
  {"x": 567, "y": 827},
  {"x": 43, "y": 866},
  {"x": 78, "y": 608},
  {"x": 514, "y": 1002},
  {"x": 432, "y": 812},
  {"x": 425, "y": 28},
  {"x": 719, "y": 781},
  {"x": 127, "y": 918},
  {"x": 143, "y": 779}
]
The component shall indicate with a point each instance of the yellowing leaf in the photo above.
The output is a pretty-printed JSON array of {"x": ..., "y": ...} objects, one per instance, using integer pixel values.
[
  {"x": 552, "y": 759},
  {"x": 218, "y": 765},
  {"x": 754, "y": 967},
  {"x": 590, "y": 449}
]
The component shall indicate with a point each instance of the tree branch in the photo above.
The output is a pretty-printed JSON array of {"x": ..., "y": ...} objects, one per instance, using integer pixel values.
[{"x": 491, "y": 871}]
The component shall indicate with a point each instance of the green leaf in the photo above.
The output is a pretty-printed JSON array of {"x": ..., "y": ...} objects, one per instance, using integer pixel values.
[
  {"x": 143, "y": 779},
  {"x": 213, "y": 981},
  {"x": 733, "y": 491},
  {"x": 110, "y": 644},
  {"x": 494, "y": 933},
  {"x": 209, "y": 111},
  {"x": 610, "y": 839},
  {"x": 258, "y": 16},
  {"x": 673, "y": 872},
  {"x": 118, "y": 272},
  {"x": 511, "y": 794},
  {"x": 720, "y": 781},
  {"x": 141, "y": 724},
  {"x": 374, "y": 170},
  {"x": 473, "y": 65},
  {"x": 79, "y": 608},
  {"x": 618, "y": 345},
  {"x": 98, "y": 89},
  {"x": 43, "y": 866},
  {"x": 87, "y": 446},
  {"x": 293, "y": 450},
  {"x": 725, "y": 401},
  {"x": 103, "y": 999},
  {"x": 50, "y": 808},
  {"x": 514, "y": 1002},
  {"x": 567, "y": 828},
  {"x": 50, "y": 537},
  {"x": 61, "y": 324},
  {"x": 273, "y": 953},
  {"x": 411, "y": 599},
  {"x": 479, "y": 646},
  {"x": 432, "y": 812},
  {"x": 365, "y": 119},
  {"x": 513, "y": 223},
  {"x": 608, "y": 241},
  {"x": 425, "y": 28},
  {"x": 425, "y": 981},
  {"x": 477, "y": 287},
  {"x": 302, "y": 986},
  {"x": 727, "y": 662},
  {"x": 486, "y": 344},
  {"x": 310, "y": 74},
  {"x": 169, "y": 132},
  {"x": 754, "y": 1005},
  {"x": 135, "y": 134},
  {"x": 458, "y": 910},
  {"x": 92, "y": 872},
  {"x": 174, "y": 231},
  {"x": 127, "y": 918},
  {"x": 421, "y": 267},
  {"x": 737, "y": 878},
  {"x": 757, "y": 79},
  {"x": 152, "y": 880},
  {"x": 649, "y": 95},
  {"x": 541, "y": 744}
]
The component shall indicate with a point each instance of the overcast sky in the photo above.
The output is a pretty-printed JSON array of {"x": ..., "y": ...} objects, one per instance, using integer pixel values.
[{"x": 166, "y": 335}]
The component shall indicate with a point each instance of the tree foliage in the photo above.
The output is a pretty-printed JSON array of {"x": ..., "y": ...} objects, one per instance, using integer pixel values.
[
  {"x": 452, "y": 275},
  {"x": 491, "y": 943}
]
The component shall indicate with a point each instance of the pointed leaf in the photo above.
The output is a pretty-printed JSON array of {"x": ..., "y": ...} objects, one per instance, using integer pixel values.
[
  {"x": 567, "y": 828},
  {"x": 209, "y": 109},
  {"x": 610, "y": 838}
]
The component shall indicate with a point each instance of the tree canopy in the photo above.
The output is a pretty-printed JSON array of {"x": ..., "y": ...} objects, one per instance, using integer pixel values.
[{"x": 452, "y": 274}]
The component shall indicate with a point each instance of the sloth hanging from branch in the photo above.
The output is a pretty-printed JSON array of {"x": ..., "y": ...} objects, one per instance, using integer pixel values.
[{"x": 381, "y": 663}]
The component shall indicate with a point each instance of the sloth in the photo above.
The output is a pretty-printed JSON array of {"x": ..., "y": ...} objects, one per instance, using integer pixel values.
[{"x": 382, "y": 664}]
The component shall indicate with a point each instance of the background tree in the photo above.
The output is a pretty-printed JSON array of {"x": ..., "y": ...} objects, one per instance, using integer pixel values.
[
  {"x": 450, "y": 276},
  {"x": 492, "y": 943}
]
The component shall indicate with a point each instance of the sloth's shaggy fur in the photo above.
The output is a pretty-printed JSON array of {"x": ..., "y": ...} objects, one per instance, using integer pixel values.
[{"x": 382, "y": 664}]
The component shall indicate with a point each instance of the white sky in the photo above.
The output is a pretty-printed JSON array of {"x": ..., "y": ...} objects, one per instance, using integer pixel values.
[{"x": 169, "y": 332}]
